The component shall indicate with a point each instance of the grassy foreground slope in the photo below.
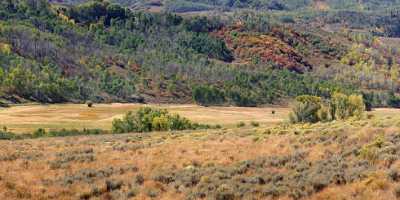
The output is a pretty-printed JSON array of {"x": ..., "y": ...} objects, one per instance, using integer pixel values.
[{"x": 337, "y": 160}]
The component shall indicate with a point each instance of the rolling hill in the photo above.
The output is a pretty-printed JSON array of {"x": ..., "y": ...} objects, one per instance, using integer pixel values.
[
  {"x": 74, "y": 51},
  {"x": 277, "y": 5}
]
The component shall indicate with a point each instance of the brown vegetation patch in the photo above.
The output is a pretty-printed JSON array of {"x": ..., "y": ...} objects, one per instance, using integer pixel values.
[{"x": 336, "y": 160}]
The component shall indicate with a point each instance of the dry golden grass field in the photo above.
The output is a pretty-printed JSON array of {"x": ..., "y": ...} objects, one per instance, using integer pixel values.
[
  {"x": 354, "y": 159},
  {"x": 27, "y": 118}
]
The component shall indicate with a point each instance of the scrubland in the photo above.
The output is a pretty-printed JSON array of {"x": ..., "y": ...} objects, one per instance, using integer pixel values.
[{"x": 352, "y": 159}]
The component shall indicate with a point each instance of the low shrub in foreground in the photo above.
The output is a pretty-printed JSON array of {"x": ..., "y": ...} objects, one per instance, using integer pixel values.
[
  {"x": 311, "y": 109},
  {"x": 149, "y": 119}
]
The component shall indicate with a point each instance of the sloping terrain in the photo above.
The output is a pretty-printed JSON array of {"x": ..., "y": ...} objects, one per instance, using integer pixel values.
[
  {"x": 338, "y": 160},
  {"x": 104, "y": 52},
  {"x": 286, "y": 47},
  {"x": 278, "y": 5},
  {"x": 261, "y": 48}
]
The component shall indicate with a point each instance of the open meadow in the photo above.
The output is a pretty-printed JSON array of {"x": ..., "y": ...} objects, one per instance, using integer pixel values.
[
  {"x": 352, "y": 159},
  {"x": 28, "y": 118}
]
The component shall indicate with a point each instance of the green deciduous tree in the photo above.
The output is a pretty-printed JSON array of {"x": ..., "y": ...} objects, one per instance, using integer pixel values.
[
  {"x": 305, "y": 109},
  {"x": 148, "y": 119}
]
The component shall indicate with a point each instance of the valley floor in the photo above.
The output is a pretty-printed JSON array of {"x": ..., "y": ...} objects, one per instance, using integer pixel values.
[{"x": 28, "y": 118}]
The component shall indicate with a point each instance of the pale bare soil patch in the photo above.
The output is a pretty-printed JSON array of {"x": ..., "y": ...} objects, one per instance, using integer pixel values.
[{"x": 25, "y": 119}]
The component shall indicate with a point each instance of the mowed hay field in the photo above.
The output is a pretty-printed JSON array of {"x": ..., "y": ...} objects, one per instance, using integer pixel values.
[
  {"x": 353, "y": 159},
  {"x": 28, "y": 118}
]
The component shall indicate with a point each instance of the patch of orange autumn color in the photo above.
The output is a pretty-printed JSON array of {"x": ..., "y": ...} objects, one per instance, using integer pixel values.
[{"x": 267, "y": 48}]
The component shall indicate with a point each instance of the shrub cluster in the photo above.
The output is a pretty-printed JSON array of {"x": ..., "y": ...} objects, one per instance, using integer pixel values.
[
  {"x": 312, "y": 109},
  {"x": 343, "y": 106},
  {"x": 300, "y": 179},
  {"x": 208, "y": 95},
  {"x": 39, "y": 133},
  {"x": 64, "y": 159},
  {"x": 64, "y": 132},
  {"x": 4, "y": 135},
  {"x": 393, "y": 100},
  {"x": 148, "y": 119},
  {"x": 306, "y": 109}
]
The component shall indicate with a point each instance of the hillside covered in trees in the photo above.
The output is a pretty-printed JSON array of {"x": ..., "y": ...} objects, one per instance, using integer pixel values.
[
  {"x": 261, "y": 5},
  {"x": 75, "y": 51}
]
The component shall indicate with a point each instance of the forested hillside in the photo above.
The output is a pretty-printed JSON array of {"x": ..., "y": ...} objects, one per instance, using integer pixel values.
[
  {"x": 278, "y": 5},
  {"x": 75, "y": 51}
]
